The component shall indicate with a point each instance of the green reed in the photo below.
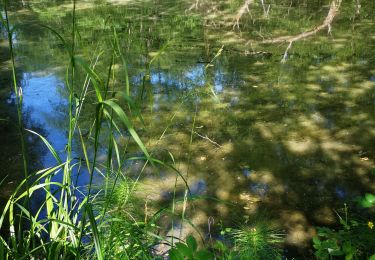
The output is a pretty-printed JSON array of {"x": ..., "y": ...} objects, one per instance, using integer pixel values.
[
  {"x": 67, "y": 224},
  {"x": 18, "y": 101}
]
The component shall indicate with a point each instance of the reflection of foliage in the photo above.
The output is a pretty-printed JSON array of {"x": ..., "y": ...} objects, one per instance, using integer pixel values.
[{"x": 268, "y": 113}]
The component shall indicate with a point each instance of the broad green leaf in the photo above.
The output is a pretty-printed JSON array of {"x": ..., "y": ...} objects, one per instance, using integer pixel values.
[
  {"x": 368, "y": 201},
  {"x": 175, "y": 255},
  {"x": 370, "y": 198},
  {"x": 204, "y": 255},
  {"x": 184, "y": 249},
  {"x": 191, "y": 242}
]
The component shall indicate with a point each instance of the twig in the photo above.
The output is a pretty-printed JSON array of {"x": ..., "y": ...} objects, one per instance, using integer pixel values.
[{"x": 208, "y": 139}]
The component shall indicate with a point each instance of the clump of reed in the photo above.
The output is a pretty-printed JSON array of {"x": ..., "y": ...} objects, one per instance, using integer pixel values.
[{"x": 73, "y": 222}]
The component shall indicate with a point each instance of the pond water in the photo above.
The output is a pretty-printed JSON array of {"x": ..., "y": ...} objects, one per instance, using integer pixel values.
[{"x": 291, "y": 140}]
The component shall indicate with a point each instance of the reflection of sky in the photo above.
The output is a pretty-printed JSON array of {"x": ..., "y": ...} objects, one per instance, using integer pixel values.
[
  {"x": 196, "y": 75},
  {"x": 219, "y": 81},
  {"x": 42, "y": 102},
  {"x": 46, "y": 112},
  {"x": 198, "y": 187},
  {"x": 260, "y": 189},
  {"x": 186, "y": 80}
]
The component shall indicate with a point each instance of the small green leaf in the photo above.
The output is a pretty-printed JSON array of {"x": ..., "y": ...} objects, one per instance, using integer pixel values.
[
  {"x": 368, "y": 201},
  {"x": 370, "y": 198},
  {"x": 316, "y": 241},
  {"x": 336, "y": 252}
]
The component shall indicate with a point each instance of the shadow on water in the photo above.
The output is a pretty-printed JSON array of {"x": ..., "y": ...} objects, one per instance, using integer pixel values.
[{"x": 290, "y": 141}]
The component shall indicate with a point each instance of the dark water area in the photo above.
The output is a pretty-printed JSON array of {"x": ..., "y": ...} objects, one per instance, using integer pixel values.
[{"x": 291, "y": 141}]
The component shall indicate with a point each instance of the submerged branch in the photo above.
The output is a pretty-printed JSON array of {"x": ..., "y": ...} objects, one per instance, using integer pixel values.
[
  {"x": 333, "y": 10},
  {"x": 208, "y": 139}
]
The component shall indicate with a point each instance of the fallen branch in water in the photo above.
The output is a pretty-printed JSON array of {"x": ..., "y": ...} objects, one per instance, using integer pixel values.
[
  {"x": 241, "y": 12},
  {"x": 333, "y": 10},
  {"x": 205, "y": 137}
]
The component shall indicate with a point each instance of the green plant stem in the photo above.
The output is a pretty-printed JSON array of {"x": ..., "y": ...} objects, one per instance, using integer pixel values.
[{"x": 18, "y": 93}]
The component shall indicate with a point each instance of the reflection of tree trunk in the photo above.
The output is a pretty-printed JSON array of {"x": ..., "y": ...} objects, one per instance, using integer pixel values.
[
  {"x": 335, "y": 5},
  {"x": 241, "y": 12}
]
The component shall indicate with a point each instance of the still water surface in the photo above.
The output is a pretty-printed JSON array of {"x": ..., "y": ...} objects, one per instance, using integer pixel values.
[{"x": 291, "y": 141}]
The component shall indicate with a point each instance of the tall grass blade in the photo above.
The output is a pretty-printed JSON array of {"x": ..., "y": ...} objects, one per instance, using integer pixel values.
[
  {"x": 49, "y": 146},
  {"x": 117, "y": 47},
  {"x": 95, "y": 79},
  {"x": 2, "y": 248},
  {"x": 1, "y": 182},
  {"x": 95, "y": 233},
  {"x": 126, "y": 122},
  {"x": 60, "y": 37}
]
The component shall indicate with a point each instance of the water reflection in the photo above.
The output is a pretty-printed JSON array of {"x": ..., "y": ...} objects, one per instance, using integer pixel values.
[
  {"x": 289, "y": 139},
  {"x": 46, "y": 109}
]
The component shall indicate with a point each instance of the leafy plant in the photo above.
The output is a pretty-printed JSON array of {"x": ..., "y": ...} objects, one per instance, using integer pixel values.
[
  {"x": 256, "y": 242},
  {"x": 189, "y": 250},
  {"x": 355, "y": 239}
]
